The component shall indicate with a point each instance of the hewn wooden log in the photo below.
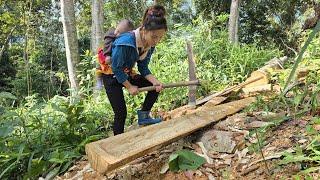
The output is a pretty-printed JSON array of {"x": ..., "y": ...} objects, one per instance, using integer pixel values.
[{"x": 111, "y": 153}]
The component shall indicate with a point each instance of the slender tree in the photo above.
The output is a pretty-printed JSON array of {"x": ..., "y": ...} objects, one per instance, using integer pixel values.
[
  {"x": 26, "y": 18},
  {"x": 70, "y": 39},
  {"x": 97, "y": 25},
  {"x": 6, "y": 41},
  {"x": 233, "y": 21},
  {"x": 97, "y": 32}
]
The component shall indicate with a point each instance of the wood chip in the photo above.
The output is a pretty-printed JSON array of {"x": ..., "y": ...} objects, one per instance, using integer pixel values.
[
  {"x": 164, "y": 168},
  {"x": 205, "y": 153}
]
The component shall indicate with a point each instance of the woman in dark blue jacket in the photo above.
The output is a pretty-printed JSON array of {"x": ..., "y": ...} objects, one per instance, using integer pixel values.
[{"x": 127, "y": 50}]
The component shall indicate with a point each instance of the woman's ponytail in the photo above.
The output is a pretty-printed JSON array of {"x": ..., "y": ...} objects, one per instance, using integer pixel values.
[{"x": 154, "y": 18}]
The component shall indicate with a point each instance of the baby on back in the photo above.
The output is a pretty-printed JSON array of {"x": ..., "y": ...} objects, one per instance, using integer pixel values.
[
  {"x": 104, "y": 54},
  {"x": 123, "y": 26}
]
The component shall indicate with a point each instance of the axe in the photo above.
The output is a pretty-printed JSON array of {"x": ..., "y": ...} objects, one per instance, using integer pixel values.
[{"x": 192, "y": 83}]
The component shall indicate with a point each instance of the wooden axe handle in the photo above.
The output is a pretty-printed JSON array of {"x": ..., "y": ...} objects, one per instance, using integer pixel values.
[{"x": 170, "y": 85}]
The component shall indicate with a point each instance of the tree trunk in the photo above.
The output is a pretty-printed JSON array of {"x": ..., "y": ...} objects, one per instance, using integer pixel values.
[
  {"x": 97, "y": 34},
  {"x": 233, "y": 21},
  {"x": 71, "y": 42},
  {"x": 25, "y": 48},
  {"x": 97, "y": 25},
  {"x": 6, "y": 41}
]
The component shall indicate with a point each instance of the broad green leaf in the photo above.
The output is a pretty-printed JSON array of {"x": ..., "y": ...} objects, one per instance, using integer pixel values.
[
  {"x": 309, "y": 177},
  {"x": 173, "y": 162},
  {"x": 185, "y": 160}
]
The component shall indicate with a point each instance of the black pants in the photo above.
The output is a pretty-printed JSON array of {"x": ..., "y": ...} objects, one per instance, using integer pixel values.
[{"x": 115, "y": 95}]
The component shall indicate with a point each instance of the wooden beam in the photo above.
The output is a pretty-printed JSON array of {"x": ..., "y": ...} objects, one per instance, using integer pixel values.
[
  {"x": 113, "y": 152},
  {"x": 192, "y": 75},
  {"x": 227, "y": 90}
]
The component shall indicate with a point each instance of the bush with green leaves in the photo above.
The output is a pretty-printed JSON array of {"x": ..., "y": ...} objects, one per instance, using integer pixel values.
[{"x": 44, "y": 138}]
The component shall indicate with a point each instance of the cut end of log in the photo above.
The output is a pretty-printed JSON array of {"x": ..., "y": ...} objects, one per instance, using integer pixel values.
[{"x": 99, "y": 164}]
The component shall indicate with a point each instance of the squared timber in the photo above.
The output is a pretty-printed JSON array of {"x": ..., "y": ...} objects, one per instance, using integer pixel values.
[{"x": 113, "y": 152}]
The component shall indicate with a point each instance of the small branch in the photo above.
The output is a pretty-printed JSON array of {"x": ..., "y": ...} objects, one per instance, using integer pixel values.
[{"x": 290, "y": 48}]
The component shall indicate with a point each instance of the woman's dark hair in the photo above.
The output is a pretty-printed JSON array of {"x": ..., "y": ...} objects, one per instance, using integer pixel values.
[{"x": 154, "y": 18}]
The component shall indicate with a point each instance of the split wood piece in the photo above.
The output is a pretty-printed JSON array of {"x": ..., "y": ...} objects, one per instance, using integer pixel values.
[
  {"x": 227, "y": 90},
  {"x": 187, "y": 109},
  {"x": 264, "y": 72},
  {"x": 257, "y": 89},
  {"x": 175, "y": 113},
  {"x": 111, "y": 153},
  {"x": 213, "y": 102},
  {"x": 216, "y": 100}
]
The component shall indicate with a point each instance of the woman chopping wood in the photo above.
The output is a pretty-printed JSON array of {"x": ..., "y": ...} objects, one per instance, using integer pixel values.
[{"x": 132, "y": 48}]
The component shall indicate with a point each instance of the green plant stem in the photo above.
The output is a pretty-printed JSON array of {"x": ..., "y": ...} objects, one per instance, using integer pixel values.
[
  {"x": 261, "y": 152},
  {"x": 304, "y": 48}
]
